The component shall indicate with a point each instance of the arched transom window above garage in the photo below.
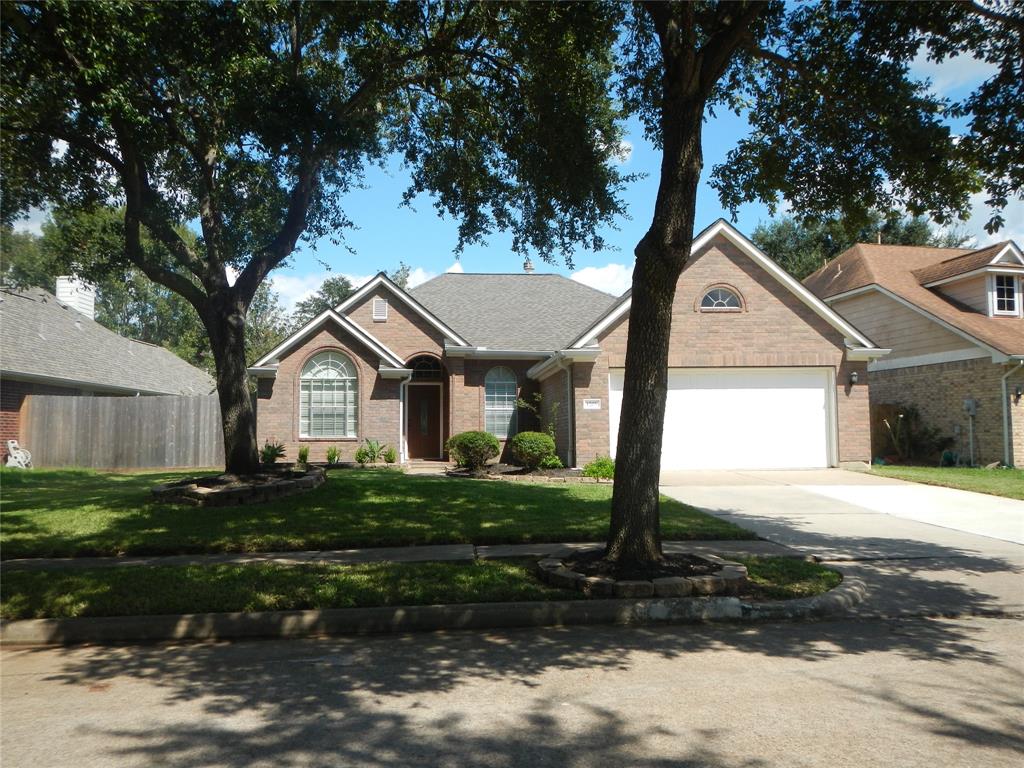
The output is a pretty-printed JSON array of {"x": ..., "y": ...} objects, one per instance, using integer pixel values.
[{"x": 721, "y": 298}]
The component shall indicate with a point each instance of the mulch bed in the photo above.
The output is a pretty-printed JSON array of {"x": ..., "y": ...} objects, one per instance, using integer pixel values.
[{"x": 592, "y": 563}]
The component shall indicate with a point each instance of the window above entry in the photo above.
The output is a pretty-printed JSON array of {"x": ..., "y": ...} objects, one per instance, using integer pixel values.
[{"x": 721, "y": 299}]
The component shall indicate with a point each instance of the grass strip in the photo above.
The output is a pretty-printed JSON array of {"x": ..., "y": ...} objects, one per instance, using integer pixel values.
[
  {"x": 147, "y": 591},
  {"x": 996, "y": 482},
  {"x": 61, "y": 513}
]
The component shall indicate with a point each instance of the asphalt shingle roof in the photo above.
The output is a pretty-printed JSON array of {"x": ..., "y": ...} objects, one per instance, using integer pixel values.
[
  {"x": 897, "y": 268},
  {"x": 39, "y": 336},
  {"x": 533, "y": 312}
]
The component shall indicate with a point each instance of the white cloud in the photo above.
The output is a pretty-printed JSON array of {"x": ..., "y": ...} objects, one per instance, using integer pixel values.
[
  {"x": 625, "y": 152},
  {"x": 1013, "y": 222},
  {"x": 952, "y": 73},
  {"x": 292, "y": 289},
  {"x": 419, "y": 276},
  {"x": 456, "y": 268},
  {"x": 611, "y": 278}
]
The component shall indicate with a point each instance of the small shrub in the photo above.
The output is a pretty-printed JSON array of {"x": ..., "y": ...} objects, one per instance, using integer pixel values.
[
  {"x": 390, "y": 455},
  {"x": 363, "y": 455},
  {"x": 529, "y": 449},
  {"x": 271, "y": 452},
  {"x": 304, "y": 454},
  {"x": 552, "y": 462},
  {"x": 333, "y": 455},
  {"x": 910, "y": 438},
  {"x": 602, "y": 466},
  {"x": 374, "y": 450},
  {"x": 472, "y": 450}
]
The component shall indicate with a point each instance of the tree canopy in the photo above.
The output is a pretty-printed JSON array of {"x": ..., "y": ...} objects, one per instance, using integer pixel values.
[{"x": 802, "y": 247}]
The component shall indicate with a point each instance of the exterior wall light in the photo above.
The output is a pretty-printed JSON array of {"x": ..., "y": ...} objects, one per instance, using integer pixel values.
[{"x": 854, "y": 378}]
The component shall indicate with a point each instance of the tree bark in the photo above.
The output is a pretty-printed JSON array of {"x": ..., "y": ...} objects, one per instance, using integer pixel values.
[
  {"x": 635, "y": 534},
  {"x": 225, "y": 325}
]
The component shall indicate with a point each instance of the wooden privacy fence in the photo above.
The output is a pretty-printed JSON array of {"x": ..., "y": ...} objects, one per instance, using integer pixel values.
[{"x": 123, "y": 432}]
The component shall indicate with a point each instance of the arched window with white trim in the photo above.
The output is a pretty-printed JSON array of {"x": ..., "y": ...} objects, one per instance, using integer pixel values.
[
  {"x": 720, "y": 299},
  {"x": 328, "y": 396},
  {"x": 500, "y": 394}
]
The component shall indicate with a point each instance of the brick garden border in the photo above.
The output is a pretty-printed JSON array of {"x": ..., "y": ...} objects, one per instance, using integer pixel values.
[
  {"x": 509, "y": 478},
  {"x": 191, "y": 491},
  {"x": 729, "y": 579}
]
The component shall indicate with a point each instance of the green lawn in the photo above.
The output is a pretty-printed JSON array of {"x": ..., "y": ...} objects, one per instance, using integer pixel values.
[
  {"x": 143, "y": 590},
  {"x": 49, "y": 513},
  {"x": 998, "y": 482}
]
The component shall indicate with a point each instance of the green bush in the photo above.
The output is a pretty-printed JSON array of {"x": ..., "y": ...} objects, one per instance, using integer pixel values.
[
  {"x": 529, "y": 449},
  {"x": 602, "y": 466},
  {"x": 271, "y": 452},
  {"x": 390, "y": 455},
  {"x": 472, "y": 450},
  {"x": 363, "y": 455},
  {"x": 304, "y": 454},
  {"x": 333, "y": 454},
  {"x": 552, "y": 462}
]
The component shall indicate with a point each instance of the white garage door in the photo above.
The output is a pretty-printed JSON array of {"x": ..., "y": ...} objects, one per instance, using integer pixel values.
[{"x": 741, "y": 418}]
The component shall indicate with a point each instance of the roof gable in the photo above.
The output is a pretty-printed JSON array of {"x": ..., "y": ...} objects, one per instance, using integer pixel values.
[
  {"x": 897, "y": 270},
  {"x": 326, "y": 316},
  {"x": 722, "y": 228}
]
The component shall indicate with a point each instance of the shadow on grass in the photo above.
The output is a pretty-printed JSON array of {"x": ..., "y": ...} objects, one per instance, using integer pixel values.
[
  {"x": 381, "y": 701},
  {"x": 61, "y": 514}
]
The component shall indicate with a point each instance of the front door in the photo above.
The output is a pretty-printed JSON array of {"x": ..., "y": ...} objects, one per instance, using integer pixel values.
[{"x": 423, "y": 421}]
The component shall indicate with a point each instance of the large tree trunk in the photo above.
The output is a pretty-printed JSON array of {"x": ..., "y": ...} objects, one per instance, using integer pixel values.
[
  {"x": 225, "y": 324},
  {"x": 635, "y": 535}
]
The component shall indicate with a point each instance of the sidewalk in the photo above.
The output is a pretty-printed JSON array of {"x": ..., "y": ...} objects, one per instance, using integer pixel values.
[{"x": 453, "y": 553}]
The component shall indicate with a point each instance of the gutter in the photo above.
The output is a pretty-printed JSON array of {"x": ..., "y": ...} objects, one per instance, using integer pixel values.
[
  {"x": 1006, "y": 408},
  {"x": 555, "y": 362},
  {"x": 497, "y": 354}
]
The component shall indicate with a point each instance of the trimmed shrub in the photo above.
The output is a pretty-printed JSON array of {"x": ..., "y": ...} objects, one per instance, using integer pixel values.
[
  {"x": 529, "y": 449},
  {"x": 333, "y": 455},
  {"x": 362, "y": 455},
  {"x": 304, "y": 454},
  {"x": 472, "y": 450},
  {"x": 390, "y": 455},
  {"x": 552, "y": 462},
  {"x": 602, "y": 466}
]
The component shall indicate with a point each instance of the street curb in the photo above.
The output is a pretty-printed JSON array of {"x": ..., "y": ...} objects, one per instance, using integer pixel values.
[{"x": 428, "y": 618}]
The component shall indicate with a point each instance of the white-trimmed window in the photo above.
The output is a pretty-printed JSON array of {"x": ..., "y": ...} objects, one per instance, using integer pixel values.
[
  {"x": 1005, "y": 300},
  {"x": 328, "y": 396},
  {"x": 380, "y": 310},
  {"x": 720, "y": 299},
  {"x": 500, "y": 402}
]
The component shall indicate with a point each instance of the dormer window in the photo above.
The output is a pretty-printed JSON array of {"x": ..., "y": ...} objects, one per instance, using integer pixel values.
[
  {"x": 380, "y": 310},
  {"x": 1005, "y": 298}
]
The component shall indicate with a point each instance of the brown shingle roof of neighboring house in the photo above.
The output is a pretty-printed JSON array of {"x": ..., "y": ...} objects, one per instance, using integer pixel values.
[
  {"x": 958, "y": 265},
  {"x": 895, "y": 267}
]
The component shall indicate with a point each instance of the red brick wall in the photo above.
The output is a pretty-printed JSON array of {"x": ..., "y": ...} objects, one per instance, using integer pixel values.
[
  {"x": 404, "y": 332},
  {"x": 278, "y": 399},
  {"x": 774, "y": 329},
  {"x": 467, "y": 393}
]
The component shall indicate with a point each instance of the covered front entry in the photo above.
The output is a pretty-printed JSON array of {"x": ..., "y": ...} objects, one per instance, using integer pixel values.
[
  {"x": 424, "y": 409},
  {"x": 742, "y": 418}
]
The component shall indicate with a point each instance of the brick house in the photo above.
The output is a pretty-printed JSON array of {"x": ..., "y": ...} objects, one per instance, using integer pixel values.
[
  {"x": 954, "y": 319},
  {"x": 762, "y": 374},
  {"x": 51, "y": 346}
]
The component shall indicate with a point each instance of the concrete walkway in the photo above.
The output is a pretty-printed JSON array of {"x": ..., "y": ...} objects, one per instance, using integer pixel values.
[
  {"x": 453, "y": 553},
  {"x": 920, "y": 549}
]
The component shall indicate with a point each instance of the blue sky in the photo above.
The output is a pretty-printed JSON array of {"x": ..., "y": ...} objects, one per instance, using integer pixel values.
[{"x": 389, "y": 233}]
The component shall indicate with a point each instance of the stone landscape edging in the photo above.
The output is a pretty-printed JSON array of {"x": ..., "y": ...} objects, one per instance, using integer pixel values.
[
  {"x": 510, "y": 478},
  {"x": 190, "y": 492},
  {"x": 427, "y": 618}
]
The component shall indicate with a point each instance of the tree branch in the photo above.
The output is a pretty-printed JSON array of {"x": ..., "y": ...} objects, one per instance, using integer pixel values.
[{"x": 994, "y": 15}]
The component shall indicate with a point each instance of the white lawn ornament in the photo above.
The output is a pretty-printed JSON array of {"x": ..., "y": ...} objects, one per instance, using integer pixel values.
[{"x": 18, "y": 456}]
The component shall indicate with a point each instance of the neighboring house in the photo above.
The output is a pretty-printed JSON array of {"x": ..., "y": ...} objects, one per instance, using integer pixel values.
[
  {"x": 954, "y": 319},
  {"x": 48, "y": 347},
  {"x": 762, "y": 373}
]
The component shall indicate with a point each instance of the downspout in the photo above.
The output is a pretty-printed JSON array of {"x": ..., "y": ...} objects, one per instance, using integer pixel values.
[
  {"x": 402, "y": 390},
  {"x": 1006, "y": 412}
]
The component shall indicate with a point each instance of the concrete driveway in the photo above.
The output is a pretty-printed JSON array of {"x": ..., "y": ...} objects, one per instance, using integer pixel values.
[{"x": 922, "y": 549}]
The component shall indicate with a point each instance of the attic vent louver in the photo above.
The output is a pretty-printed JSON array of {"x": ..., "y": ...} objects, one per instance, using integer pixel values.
[
  {"x": 380, "y": 310},
  {"x": 527, "y": 266}
]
